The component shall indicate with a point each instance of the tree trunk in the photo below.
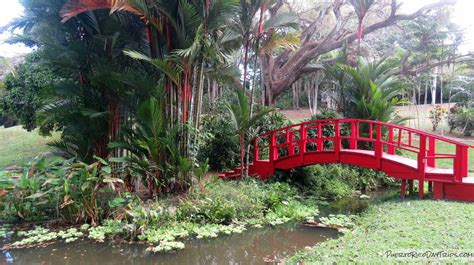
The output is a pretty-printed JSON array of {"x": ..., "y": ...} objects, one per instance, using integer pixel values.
[
  {"x": 242, "y": 154},
  {"x": 426, "y": 92},
  {"x": 441, "y": 88},
  {"x": 200, "y": 96},
  {"x": 433, "y": 91}
]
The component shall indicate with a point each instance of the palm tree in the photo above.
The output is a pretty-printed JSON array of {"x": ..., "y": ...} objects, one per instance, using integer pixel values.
[
  {"x": 374, "y": 91},
  {"x": 154, "y": 149},
  {"x": 361, "y": 7},
  {"x": 5, "y": 63},
  {"x": 96, "y": 80},
  {"x": 243, "y": 120}
]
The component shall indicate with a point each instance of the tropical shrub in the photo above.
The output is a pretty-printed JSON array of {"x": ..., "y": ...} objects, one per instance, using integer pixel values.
[
  {"x": 462, "y": 118},
  {"x": 436, "y": 116},
  {"x": 451, "y": 118},
  {"x": 333, "y": 181},
  {"x": 244, "y": 119},
  {"x": 221, "y": 146},
  {"x": 69, "y": 190},
  {"x": 154, "y": 150},
  {"x": 374, "y": 91},
  {"x": 23, "y": 90},
  {"x": 225, "y": 202}
]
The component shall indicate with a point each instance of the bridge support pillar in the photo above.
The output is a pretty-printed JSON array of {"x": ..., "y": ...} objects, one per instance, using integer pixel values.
[
  {"x": 421, "y": 189},
  {"x": 403, "y": 189},
  {"x": 438, "y": 191}
]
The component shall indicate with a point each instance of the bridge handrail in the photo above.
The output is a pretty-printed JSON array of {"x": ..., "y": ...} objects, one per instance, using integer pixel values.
[
  {"x": 425, "y": 149},
  {"x": 413, "y": 130}
]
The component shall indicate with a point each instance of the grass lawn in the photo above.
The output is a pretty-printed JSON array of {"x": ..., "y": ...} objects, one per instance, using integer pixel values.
[
  {"x": 400, "y": 226},
  {"x": 445, "y": 148},
  {"x": 18, "y": 146}
]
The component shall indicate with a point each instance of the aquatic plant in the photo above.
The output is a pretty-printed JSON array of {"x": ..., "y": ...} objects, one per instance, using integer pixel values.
[
  {"x": 338, "y": 221},
  {"x": 5, "y": 230},
  {"x": 40, "y": 235},
  {"x": 166, "y": 246},
  {"x": 110, "y": 227},
  {"x": 168, "y": 233}
]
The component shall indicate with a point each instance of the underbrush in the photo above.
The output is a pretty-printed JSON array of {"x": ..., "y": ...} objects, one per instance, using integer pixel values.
[
  {"x": 215, "y": 207},
  {"x": 334, "y": 181}
]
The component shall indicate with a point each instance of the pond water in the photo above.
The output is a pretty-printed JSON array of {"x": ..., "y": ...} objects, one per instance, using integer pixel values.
[{"x": 255, "y": 246}]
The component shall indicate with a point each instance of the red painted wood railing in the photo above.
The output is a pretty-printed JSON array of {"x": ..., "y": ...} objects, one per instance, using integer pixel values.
[
  {"x": 378, "y": 143},
  {"x": 370, "y": 144}
]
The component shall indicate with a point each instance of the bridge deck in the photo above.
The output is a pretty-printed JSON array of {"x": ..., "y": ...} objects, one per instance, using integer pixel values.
[{"x": 377, "y": 145}]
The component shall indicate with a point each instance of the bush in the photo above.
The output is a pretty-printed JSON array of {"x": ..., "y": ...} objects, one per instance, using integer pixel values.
[
  {"x": 221, "y": 148},
  {"x": 68, "y": 190},
  {"x": 451, "y": 118},
  {"x": 334, "y": 181},
  {"x": 223, "y": 202},
  {"x": 461, "y": 118},
  {"x": 436, "y": 116}
]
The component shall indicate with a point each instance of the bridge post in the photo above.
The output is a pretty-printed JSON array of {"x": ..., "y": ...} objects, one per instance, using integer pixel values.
[
  {"x": 378, "y": 145},
  {"x": 272, "y": 152},
  {"x": 421, "y": 166},
  {"x": 354, "y": 133},
  {"x": 431, "y": 151},
  {"x": 289, "y": 142},
  {"x": 302, "y": 143},
  {"x": 319, "y": 146},
  {"x": 461, "y": 163},
  {"x": 337, "y": 140},
  {"x": 255, "y": 149},
  {"x": 390, "y": 147},
  {"x": 403, "y": 189}
]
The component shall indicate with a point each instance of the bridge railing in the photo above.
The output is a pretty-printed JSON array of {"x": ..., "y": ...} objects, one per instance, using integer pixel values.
[{"x": 336, "y": 135}]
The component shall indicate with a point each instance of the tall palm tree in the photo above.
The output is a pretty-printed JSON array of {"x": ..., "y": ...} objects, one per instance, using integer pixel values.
[
  {"x": 86, "y": 52},
  {"x": 243, "y": 120},
  {"x": 361, "y": 7}
]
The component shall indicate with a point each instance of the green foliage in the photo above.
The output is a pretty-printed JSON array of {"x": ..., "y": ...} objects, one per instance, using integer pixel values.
[
  {"x": 217, "y": 208},
  {"x": 22, "y": 98},
  {"x": 334, "y": 181},
  {"x": 227, "y": 202},
  {"x": 84, "y": 82},
  {"x": 374, "y": 91},
  {"x": 41, "y": 235},
  {"x": 436, "y": 116},
  {"x": 222, "y": 145},
  {"x": 68, "y": 190},
  {"x": 154, "y": 150},
  {"x": 339, "y": 220},
  {"x": 109, "y": 228},
  {"x": 461, "y": 118}
]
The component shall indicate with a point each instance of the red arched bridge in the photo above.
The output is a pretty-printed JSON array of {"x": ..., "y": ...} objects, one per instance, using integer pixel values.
[{"x": 401, "y": 152}]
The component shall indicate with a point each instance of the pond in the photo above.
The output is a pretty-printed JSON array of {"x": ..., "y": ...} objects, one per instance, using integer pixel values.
[{"x": 254, "y": 246}]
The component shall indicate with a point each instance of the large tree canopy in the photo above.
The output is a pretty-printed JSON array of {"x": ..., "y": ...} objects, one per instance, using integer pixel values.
[
  {"x": 330, "y": 27},
  {"x": 23, "y": 90}
]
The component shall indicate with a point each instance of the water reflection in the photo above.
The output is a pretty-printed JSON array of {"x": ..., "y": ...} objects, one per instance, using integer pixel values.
[{"x": 255, "y": 246}]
